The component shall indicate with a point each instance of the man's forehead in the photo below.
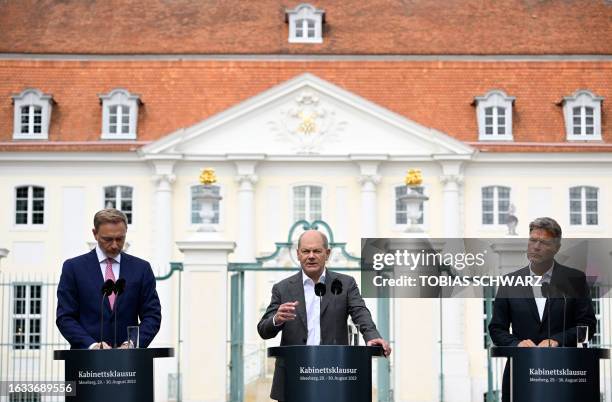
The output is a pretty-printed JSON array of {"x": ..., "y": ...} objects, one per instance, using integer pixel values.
[
  {"x": 541, "y": 233},
  {"x": 112, "y": 228},
  {"x": 311, "y": 240}
]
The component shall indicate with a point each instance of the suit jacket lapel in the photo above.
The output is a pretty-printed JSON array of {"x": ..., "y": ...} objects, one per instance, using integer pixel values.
[
  {"x": 530, "y": 298},
  {"x": 296, "y": 289}
]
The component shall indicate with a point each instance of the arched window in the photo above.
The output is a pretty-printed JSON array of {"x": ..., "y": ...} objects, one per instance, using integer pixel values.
[
  {"x": 305, "y": 24},
  {"x": 582, "y": 113},
  {"x": 119, "y": 115},
  {"x": 32, "y": 115},
  {"x": 494, "y": 114}
]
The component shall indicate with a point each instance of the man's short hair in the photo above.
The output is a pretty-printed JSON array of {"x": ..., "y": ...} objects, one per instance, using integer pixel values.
[
  {"x": 109, "y": 215},
  {"x": 548, "y": 224},
  {"x": 325, "y": 241}
]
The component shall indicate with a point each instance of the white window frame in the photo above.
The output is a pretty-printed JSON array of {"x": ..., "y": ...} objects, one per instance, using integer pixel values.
[
  {"x": 33, "y": 98},
  {"x": 305, "y": 12},
  {"x": 30, "y": 210},
  {"x": 307, "y": 206},
  {"x": 583, "y": 212},
  {"x": 27, "y": 316},
  {"x": 123, "y": 98},
  {"x": 582, "y": 99},
  {"x": 119, "y": 199},
  {"x": 195, "y": 226},
  {"x": 401, "y": 227},
  {"x": 495, "y": 205},
  {"x": 494, "y": 99}
]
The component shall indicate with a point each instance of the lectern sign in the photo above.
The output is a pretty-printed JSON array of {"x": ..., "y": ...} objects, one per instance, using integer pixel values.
[
  {"x": 117, "y": 375},
  {"x": 553, "y": 374},
  {"x": 335, "y": 373},
  {"x": 326, "y": 373}
]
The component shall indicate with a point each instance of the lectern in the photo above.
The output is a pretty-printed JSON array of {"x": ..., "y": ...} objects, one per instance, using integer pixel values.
[
  {"x": 553, "y": 374},
  {"x": 327, "y": 373},
  {"x": 115, "y": 375}
]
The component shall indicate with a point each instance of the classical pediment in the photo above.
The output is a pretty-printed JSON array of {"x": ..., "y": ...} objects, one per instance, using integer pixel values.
[{"x": 307, "y": 117}]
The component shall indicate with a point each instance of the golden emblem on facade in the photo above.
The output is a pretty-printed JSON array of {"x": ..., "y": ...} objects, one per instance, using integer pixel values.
[
  {"x": 414, "y": 177},
  {"x": 208, "y": 177},
  {"x": 308, "y": 125}
]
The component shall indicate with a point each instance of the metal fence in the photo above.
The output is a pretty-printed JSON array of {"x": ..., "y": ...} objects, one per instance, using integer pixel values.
[{"x": 28, "y": 335}]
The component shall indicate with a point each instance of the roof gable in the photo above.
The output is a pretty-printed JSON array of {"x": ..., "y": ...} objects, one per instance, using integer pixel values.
[{"x": 307, "y": 116}]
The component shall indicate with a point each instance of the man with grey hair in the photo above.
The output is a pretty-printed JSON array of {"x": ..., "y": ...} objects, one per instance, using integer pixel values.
[
  {"x": 529, "y": 313},
  {"x": 305, "y": 319},
  {"x": 79, "y": 295}
]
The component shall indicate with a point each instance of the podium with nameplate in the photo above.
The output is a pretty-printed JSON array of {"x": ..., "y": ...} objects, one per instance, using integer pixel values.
[
  {"x": 327, "y": 373},
  {"x": 553, "y": 374},
  {"x": 117, "y": 375}
]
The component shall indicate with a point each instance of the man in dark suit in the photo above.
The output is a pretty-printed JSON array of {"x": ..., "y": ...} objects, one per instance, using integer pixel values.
[
  {"x": 79, "y": 291},
  {"x": 296, "y": 311},
  {"x": 526, "y": 309}
]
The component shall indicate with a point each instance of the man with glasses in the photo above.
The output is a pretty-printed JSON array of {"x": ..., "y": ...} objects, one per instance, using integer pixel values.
[
  {"x": 79, "y": 293},
  {"x": 526, "y": 309},
  {"x": 304, "y": 319}
]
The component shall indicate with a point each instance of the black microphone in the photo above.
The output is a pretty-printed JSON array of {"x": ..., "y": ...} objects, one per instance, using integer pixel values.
[
  {"x": 320, "y": 291},
  {"x": 546, "y": 294},
  {"x": 107, "y": 289},
  {"x": 336, "y": 289},
  {"x": 118, "y": 289},
  {"x": 562, "y": 294}
]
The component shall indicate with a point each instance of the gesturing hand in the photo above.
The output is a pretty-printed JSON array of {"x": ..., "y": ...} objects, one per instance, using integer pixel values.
[{"x": 285, "y": 312}]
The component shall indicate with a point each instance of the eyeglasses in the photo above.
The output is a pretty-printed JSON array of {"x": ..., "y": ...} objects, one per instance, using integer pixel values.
[{"x": 547, "y": 243}]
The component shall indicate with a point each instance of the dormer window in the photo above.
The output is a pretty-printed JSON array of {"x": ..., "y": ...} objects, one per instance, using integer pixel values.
[
  {"x": 32, "y": 115},
  {"x": 582, "y": 112},
  {"x": 119, "y": 115},
  {"x": 494, "y": 114},
  {"x": 305, "y": 24}
]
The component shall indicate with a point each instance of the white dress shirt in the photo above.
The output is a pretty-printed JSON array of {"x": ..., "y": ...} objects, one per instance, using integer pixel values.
[
  {"x": 313, "y": 309},
  {"x": 537, "y": 290},
  {"x": 102, "y": 260}
]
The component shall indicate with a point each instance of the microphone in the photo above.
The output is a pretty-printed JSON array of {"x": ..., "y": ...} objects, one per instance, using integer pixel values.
[
  {"x": 546, "y": 294},
  {"x": 107, "y": 289},
  {"x": 562, "y": 294},
  {"x": 118, "y": 289},
  {"x": 336, "y": 289},
  {"x": 320, "y": 291}
]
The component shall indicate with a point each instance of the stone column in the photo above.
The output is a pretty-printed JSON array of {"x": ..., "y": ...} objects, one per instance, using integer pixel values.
[
  {"x": 205, "y": 314},
  {"x": 245, "y": 247},
  {"x": 163, "y": 179},
  {"x": 457, "y": 383},
  {"x": 369, "y": 179}
]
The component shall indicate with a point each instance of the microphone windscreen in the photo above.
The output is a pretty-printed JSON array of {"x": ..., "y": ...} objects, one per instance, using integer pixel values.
[
  {"x": 107, "y": 287},
  {"x": 336, "y": 287},
  {"x": 320, "y": 289},
  {"x": 119, "y": 286}
]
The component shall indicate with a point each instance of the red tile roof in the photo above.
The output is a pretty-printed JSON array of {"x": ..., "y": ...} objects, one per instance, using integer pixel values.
[
  {"x": 181, "y": 93},
  {"x": 472, "y": 27}
]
